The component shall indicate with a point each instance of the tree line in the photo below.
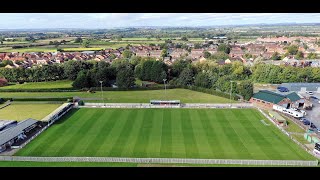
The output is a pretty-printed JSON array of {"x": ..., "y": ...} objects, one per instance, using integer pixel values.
[{"x": 123, "y": 72}]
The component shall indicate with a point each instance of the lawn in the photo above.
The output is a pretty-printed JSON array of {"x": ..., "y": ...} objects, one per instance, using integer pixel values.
[
  {"x": 144, "y": 96},
  {"x": 24, "y": 111},
  {"x": 32, "y": 49},
  {"x": 167, "y": 133},
  {"x": 292, "y": 127},
  {"x": 41, "y": 85}
]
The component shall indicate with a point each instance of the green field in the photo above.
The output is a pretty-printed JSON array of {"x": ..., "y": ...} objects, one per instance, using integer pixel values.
[
  {"x": 24, "y": 111},
  {"x": 144, "y": 96},
  {"x": 178, "y": 133},
  {"x": 32, "y": 49},
  {"x": 83, "y": 49},
  {"x": 41, "y": 85}
]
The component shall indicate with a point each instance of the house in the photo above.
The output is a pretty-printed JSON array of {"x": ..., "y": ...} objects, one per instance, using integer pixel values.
[
  {"x": 155, "y": 53},
  {"x": 266, "y": 99},
  {"x": 197, "y": 53},
  {"x": 142, "y": 53},
  {"x": 177, "y": 53},
  {"x": 212, "y": 50},
  {"x": 236, "y": 53}
]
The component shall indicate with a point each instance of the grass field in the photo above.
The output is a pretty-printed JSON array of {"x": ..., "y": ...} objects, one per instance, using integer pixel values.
[
  {"x": 83, "y": 49},
  {"x": 24, "y": 111},
  {"x": 41, "y": 85},
  {"x": 32, "y": 49},
  {"x": 185, "y": 95},
  {"x": 178, "y": 133}
]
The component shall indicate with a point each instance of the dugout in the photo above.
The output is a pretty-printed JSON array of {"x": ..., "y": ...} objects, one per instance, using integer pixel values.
[
  {"x": 277, "y": 118},
  {"x": 165, "y": 102}
]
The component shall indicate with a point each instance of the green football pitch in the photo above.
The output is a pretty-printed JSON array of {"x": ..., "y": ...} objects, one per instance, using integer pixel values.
[{"x": 176, "y": 133}]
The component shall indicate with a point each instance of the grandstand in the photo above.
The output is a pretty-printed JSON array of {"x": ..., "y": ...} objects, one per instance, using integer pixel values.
[
  {"x": 17, "y": 133},
  {"x": 5, "y": 124},
  {"x": 58, "y": 113}
]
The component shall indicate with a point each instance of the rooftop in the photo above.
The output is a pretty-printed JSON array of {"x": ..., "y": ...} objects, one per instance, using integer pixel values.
[
  {"x": 274, "y": 97},
  {"x": 13, "y": 132}
]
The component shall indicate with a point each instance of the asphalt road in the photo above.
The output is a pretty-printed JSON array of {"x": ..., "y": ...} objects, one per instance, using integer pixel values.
[{"x": 314, "y": 114}]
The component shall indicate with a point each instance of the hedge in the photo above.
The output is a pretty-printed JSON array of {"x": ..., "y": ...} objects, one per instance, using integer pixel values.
[
  {"x": 40, "y": 90},
  {"x": 38, "y": 99}
]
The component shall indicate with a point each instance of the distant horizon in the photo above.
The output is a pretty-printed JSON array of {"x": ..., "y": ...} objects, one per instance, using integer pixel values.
[
  {"x": 128, "y": 27},
  {"x": 35, "y": 21}
]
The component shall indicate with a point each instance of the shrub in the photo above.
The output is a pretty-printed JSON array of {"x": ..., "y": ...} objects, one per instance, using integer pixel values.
[
  {"x": 81, "y": 103},
  {"x": 3, "y": 82}
]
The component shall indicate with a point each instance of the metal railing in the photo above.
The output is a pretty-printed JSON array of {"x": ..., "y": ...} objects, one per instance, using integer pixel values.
[{"x": 163, "y": 160}]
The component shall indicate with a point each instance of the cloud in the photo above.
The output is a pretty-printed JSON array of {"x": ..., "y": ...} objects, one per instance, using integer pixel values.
[{"x": 109, "y": 20}]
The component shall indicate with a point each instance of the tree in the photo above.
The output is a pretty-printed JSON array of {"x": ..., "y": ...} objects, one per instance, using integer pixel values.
[
  {"x": 224, "y": 48},
  {"x": 248, "y": 55},
  {"x": 197, "y": 45},
  {"x": 78, "y": 40},
  {"x": 178, "y": 66},
  {"x": 3, "y": 82},
  {"x": 184, "y": 38},
  {"x": 292, "y": 50},
  {"x": 86, "y": 43},
  {"x": 125, "y": 77},
  {"x": 312, "y": 56},
  {"x": 245, "y": 89},
  {"x": 299, "y": 55},
  {"x": 220, "y": 55},
  {"x": 127, "y": 54},
  {"x": 206, "y": 54},
  {"x": 202, "y": 80},
  {"x": 164, "y": 53},
  {"x": 158, "y": 71},
  {"x": 81, "y": 81},
  {"x": 119, "y": 38},
  {"x": 276, "y": 56},
  {"x": 186, "y": 77}
]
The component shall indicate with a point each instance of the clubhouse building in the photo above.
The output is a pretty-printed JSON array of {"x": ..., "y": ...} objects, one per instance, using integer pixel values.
[{"x": 266, "y": 99}]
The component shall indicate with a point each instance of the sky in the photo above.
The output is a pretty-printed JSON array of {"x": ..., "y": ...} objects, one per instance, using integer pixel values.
[{"x": 115, "y": 20}]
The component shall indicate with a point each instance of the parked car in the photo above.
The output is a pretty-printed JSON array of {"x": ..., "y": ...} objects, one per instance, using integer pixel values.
[
  {"x": 306, "y": 122},
  {"x": 313, "y": 97},
  {"x": 295, "y": 109},
  {"x": 302, "y": 119},
  {"x": 282, "y": 89},
  {"x": 310, "y": 92}
]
